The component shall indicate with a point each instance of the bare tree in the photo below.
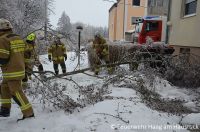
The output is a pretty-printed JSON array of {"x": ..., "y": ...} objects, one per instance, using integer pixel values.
[{"x": 25, "y": 15}]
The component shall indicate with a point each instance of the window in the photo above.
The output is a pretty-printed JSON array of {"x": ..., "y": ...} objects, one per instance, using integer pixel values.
[
  {"x": 136, "y": 2},
  {"x": 151, "y": 3},
  {"x": 160, "y": 3},
  {"x": 190, "y": 7},
  {"x": 134, "y": 20},
  {"x": 152, "y": 26}
]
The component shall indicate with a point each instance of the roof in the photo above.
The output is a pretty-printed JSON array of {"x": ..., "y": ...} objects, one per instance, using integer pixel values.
[
  {"x": 113, "y": 6},
  {"x": 153, "y": 17}
]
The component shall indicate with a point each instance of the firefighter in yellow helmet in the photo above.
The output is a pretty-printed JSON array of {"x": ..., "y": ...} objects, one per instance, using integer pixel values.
[
  {"x": 57, "y": 53},
  {"x": 102, "y": 52},
  {"x": 31, "y": 57},
  {"x": 13, "y": 71}
]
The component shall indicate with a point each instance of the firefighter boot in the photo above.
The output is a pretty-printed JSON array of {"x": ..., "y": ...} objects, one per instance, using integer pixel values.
[
  {"x": 96, "y": 73},
  {"x": 4, "y": 112},
  {"x": 56, "y": 72},
  {"x": 64, "y": 71},
  {"x": 24, "y": 117},
  {"x": 40, "y": 67},
  {"x": 96, "y": 70}
]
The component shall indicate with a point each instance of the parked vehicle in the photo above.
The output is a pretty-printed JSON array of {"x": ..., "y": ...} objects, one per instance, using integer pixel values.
[
  {"x": 150, "y": 35},
  {"x": 150, "y": 27}
]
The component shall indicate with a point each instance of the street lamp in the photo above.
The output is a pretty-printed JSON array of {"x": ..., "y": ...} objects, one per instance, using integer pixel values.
[{"x": 79, "y": 28}]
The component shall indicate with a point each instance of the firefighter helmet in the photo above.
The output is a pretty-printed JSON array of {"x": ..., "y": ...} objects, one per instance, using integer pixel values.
[
  {"x": 57, "y": 39},
  {"x": 5, "y": 24},
  {"x": 31, "y": 37}
]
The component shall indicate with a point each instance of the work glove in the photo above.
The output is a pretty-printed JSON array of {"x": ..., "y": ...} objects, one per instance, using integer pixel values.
[
  {"x": 49, "y": 57},
  {"x": 65, "y": 57}
]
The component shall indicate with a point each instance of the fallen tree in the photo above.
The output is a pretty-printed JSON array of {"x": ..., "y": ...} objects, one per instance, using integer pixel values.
[{"x": 92, "y": 94}]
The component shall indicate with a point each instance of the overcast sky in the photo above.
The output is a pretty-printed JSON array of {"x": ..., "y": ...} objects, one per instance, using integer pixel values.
[{"x": 93, "y": 12}]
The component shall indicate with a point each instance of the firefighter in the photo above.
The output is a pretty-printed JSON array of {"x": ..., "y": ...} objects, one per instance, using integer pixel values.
[
  {"x": 13, "y": 71},
  {"x": 57, "y": 54},
  {"x": 31, "y": 57},
  {"x": 101, "y": 49}
]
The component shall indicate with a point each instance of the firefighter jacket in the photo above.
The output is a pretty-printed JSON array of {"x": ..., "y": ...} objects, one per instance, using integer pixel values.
[
  {"x": 12, "y": 56},
  {"x": 30, "y": 56},
  {"x": 57, "y": 52},
  {"x": 100, "y": 47}
]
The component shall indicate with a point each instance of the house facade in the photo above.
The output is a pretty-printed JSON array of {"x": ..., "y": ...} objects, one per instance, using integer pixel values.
[
  {"x": 112, "y": 22},
  {"x": 122, "y": 16},
  {"x": 157, "y": 7},
  {"x": 184, "y": 31}
]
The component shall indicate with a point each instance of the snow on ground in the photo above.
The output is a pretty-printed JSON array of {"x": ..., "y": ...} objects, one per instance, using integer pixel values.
[
  {"x": 125, "y": 104},
  {"x": 192, "y": 119},
  {"x": 168, "y": 91}
]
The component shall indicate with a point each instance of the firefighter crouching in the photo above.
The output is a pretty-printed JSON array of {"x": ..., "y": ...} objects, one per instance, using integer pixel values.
[
  {"x": 31, "y": 57},
  {"x": 13, "y": 71},
  {"x": 57, "y": 54},
  {"x": 101, "y": 49}
]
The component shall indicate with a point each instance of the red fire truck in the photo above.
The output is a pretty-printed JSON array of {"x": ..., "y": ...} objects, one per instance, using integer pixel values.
[{"x": 153, "y": 27}]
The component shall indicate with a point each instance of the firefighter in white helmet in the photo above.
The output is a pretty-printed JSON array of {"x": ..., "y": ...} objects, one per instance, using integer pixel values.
[{"x": 13, "y": 71}]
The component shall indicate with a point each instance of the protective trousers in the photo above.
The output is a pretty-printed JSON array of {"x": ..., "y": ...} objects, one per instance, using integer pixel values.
[
  {"x": 98, "y": 62},
  {"x": 13, "y": 89},
  {"x": 63, "y": 67}
]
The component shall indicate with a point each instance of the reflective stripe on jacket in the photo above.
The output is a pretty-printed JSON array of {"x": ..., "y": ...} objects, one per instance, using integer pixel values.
[
  {"x": 57, "y": 51},
  {"x": 8, "y": 75},
  {"x": 30, "y": 56},
  {"x": 12, "y": 48},
  {"x": 100, "y": 47}
]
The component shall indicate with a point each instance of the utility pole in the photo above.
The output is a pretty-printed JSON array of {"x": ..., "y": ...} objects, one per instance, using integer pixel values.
[
  {"x": 46, "y": 21},
  {"x": 124, "y": 20},
  {"x": 168, "y": 19}
]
